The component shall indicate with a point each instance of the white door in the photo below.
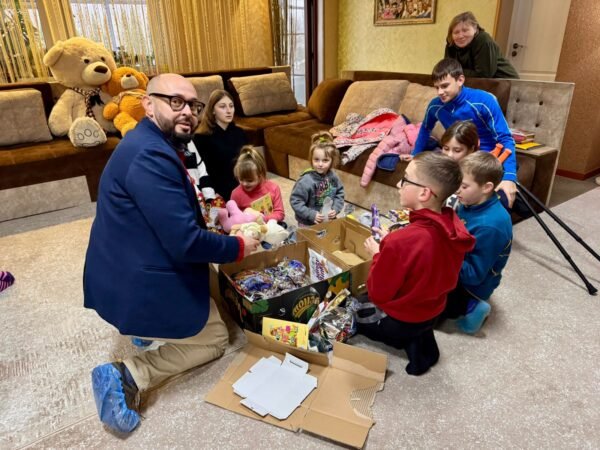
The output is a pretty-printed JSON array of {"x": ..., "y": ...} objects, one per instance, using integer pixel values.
[{"x": 535, "y": 38}]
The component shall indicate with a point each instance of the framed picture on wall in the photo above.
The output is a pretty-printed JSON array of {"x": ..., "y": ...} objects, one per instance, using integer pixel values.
[{"x": 404, "y": 12}]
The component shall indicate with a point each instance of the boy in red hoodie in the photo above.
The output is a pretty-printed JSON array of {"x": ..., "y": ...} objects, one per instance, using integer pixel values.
[{"x": 414, "y": 268}]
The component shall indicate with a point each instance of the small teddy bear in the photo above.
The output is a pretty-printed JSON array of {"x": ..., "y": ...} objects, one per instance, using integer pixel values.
[
  {"x": 127, "y": 86},
  {"x": 272, "y": 233},
  {"x": 82, "y": 66},
  {"x": 250, "y": 229}
]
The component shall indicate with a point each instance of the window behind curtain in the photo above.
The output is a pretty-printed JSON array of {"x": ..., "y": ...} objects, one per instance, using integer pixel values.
[
  {"x": 288, "y": 29},
  {"x": 298, "y": 38},
  {"x": 21, "y": 42},
  {"x": 121, "y": 25}
]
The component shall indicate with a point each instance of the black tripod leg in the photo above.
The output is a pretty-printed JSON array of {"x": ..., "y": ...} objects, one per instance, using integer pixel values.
[
  {"x": 591, "y": 289},
  {"x": 557, "y": 219}
]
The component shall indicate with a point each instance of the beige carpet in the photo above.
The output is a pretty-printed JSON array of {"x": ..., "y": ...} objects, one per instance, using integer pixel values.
[{"x": 529, "y": 380}]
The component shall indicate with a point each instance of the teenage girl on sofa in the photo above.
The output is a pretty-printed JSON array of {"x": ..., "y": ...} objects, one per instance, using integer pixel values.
[{"x": 219, "y": 141}]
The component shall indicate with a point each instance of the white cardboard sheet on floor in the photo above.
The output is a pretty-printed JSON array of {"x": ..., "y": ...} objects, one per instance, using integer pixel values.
[{"x": 275, "y": 388}]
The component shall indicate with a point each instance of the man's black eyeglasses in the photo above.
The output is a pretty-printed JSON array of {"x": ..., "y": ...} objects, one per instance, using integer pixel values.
[
  {"x": 177, "y": 103},
  {"x": 406, "y": 180}
]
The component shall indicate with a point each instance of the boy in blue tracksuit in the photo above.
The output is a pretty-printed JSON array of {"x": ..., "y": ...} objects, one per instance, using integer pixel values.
[
  {"x": 457, "y": 102},
  {"x": 490, "y": 223}
]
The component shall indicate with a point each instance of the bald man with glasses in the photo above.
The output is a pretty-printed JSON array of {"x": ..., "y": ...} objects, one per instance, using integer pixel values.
[{"x": 146, "y": 270}]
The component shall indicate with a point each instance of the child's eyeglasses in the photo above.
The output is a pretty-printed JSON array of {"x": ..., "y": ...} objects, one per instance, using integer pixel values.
[
  {"x": 177, "y": 103},
  {"x": 404, "y": 180}
]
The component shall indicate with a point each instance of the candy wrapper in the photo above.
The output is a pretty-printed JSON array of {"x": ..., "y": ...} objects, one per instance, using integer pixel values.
[
  {"x": 288, "y": 275},
  {"x": 272, "y": 281},
  {"x": 255, "y": 284},
  {"x": 331, "y": 322},
  {"x": 375, "y": 221},
  {"x": 209, "y": 209},
  {"x": 399, "y": 218},
  {"x": 337, "y": 325},
  {"x": 320, "y": 267}
]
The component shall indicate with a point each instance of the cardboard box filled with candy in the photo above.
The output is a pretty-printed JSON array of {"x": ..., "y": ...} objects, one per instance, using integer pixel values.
[{"x": 287, "y": 283}]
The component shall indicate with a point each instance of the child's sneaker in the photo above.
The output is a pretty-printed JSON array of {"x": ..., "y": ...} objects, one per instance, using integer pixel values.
[
  {"x": 139, "y": 342},
  {"x": 116, "y": 396},
  {"x": 472, "y": 322}
]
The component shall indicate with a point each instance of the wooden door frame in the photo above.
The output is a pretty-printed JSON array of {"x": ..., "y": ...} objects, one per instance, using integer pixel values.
[{"x": 311, "y": 47}]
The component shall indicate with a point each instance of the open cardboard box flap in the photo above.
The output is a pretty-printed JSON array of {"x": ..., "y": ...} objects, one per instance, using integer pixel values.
[
  {"x": 338, "y": 409},
  {"x": 343, "y": 238}
]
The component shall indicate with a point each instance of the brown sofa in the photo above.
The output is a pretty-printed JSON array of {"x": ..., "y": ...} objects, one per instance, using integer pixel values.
[
  {"x": 285, "y": 134},
  {"x": 30, "y": 163},
  {"x": 522, "y": 102},
  {"x": 287, "y": 145}
]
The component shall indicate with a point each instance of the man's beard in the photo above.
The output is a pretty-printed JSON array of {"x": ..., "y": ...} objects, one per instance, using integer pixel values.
[
  {"x": 180, "y": 138},
  {"x": 176, "y": 137}
]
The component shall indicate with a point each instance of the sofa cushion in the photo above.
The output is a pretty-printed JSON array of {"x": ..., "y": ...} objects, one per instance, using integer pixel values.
[
  {"x": 206, "y": 85},
  {"x": 261, "y": 94},
  {"x": 415, "y": 103},
  {"x": 500, "y": 88},
  {"x": 362, "y": 97},
  {"x": 416, "y": 100},
  {"x": 22, "y": 117},
  {"x": 254, "y": 126},
  {"x": 294, "y": 139},
  {"x": 326, "y": 99}
]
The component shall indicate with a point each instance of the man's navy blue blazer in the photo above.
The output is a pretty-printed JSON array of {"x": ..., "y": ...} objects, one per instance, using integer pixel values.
[{"x": 146, "y": 267}]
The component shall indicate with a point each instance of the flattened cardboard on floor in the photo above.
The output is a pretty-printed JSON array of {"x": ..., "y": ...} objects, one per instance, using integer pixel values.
[{"x": 338, "y": 409}]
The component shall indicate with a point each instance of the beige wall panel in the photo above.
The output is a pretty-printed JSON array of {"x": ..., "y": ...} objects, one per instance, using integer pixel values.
[{"x": 579, "y": 62}]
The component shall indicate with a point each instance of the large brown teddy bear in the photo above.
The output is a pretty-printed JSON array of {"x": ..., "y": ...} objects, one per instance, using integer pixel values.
[
  {"x": 82, "y": 66},
  {"x": 127, "y": 87}
]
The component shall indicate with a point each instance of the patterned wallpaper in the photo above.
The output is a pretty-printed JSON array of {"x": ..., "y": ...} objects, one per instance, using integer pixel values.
[{"x": 400, "y": 48}]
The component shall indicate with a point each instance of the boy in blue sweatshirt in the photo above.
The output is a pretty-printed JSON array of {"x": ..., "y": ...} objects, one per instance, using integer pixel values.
[
  {"x": 457, "y": 102},
  {"x": 490, "y": 223}
]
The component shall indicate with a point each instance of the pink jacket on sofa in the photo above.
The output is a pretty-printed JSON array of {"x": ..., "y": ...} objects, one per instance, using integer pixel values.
[{"x": 400, "y": 140}]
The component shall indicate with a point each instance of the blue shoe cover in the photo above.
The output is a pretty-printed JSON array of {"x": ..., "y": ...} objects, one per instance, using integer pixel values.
[
  {"x": 472, "y": 322},
  {"x": 139, "y": 342},
  {"x": 109, "y": 395}
]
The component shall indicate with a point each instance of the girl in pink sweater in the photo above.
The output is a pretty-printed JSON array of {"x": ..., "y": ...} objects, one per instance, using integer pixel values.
[{"x": 255, "y": 191}]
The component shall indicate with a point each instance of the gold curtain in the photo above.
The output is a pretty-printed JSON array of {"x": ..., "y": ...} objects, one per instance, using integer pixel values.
[
  {"x": 57, "y": 19},
  {"x": 21, "y": 42},
  {"x": 202, "y": 35},
  {"x": 149, "y": 35}
]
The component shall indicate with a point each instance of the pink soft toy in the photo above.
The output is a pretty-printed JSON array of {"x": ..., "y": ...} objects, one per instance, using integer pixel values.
[{"x": 232, "y": 215}]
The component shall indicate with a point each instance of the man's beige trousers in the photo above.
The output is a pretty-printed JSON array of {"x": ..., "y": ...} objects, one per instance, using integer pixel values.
[{"x": 152, "y": 367}]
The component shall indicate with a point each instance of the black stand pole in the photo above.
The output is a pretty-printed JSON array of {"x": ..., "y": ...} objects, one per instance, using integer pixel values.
[
  {"x": 558, "y": 221},
  {"x": 520, "y": 189}
]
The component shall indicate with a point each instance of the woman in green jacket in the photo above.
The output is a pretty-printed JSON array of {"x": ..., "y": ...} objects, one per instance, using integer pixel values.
[{"x": 476, "y": 50}]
